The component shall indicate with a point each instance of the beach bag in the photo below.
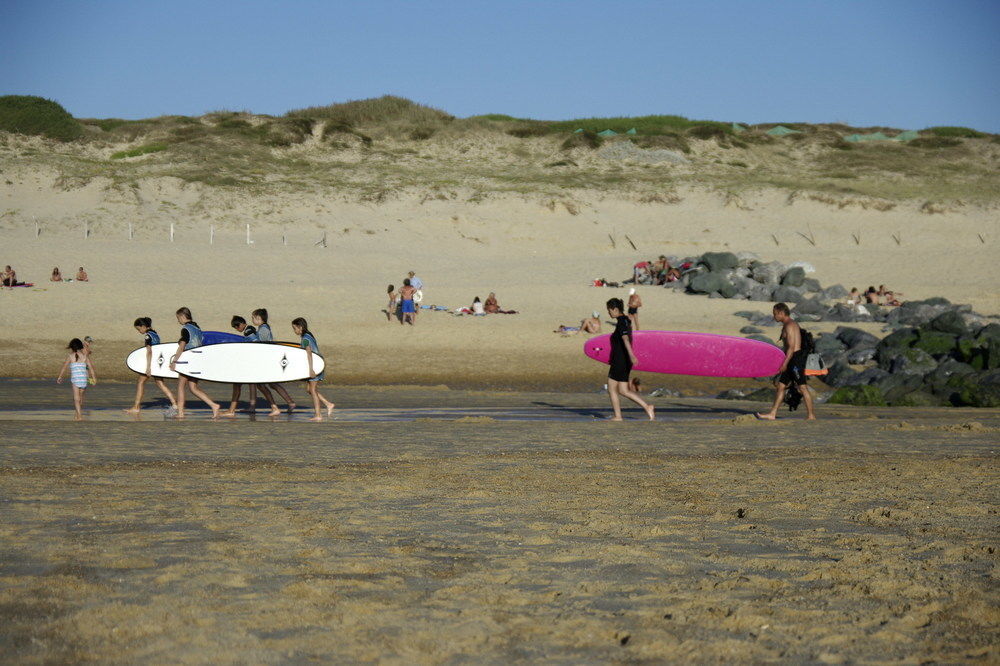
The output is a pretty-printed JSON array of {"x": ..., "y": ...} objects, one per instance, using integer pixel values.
[{"x": 815, "y": 367}]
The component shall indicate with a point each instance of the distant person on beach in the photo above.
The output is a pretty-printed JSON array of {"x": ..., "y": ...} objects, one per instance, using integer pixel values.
[
  {"x": 490, "y": 305},
  {"x": 477, "y": 307},
  {"x": 8, "y": 277},
  {"x": 793, "y": 369},
  {"x": 888, "y": 297},
  {"x": 56, "y": 275},
  {"x": 640, "y": 271},
  {"x": 308, "y": 343},
  {"x": 591, "y": 325},
  {"x": 406, "y": 299},
  {"x": 264, "y": 334},
  {"x": 80, "y": 367},
  {"x": 191, "y": 338},
  {"x": 871, "y": 296},
  {"x": 144, "y": 325},
  {"x": 634, "y": 303},
  {"x": 418, "y": 292},
  {"x": 81, "y": 275},
  {"x": 390, "y": 309},
  {"x": 250, "y": 335},
  {"x": 622, "y": 360},
  {"x": 854, "y": 298}
]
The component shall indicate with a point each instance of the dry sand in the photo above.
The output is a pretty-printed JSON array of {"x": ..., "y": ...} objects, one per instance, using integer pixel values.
[
  {"x": 711, "y": 539},
  {"x": 537, "y": 255}
]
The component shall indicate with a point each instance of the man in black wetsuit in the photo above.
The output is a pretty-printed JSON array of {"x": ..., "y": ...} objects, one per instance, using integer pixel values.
[
  {"x": 793, "y": 370},
  {"x": 622, "y": 360}
]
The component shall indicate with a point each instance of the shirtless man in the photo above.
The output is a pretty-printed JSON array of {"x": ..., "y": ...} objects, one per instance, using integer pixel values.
[
  {"x": 792, "y": 370},
  {"x": 81, "y": 275},
  {"x": 634, "y": 303},
  {"x": 9, "y": 276},
  {"x": 406, "y": 298},
  {"x": 591, "y": 324}
]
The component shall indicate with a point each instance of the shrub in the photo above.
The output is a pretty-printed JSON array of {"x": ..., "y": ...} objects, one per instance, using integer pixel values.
[
  {"x": 387, "y": 108},
  {"x": 37, "y": 116},
  {"x": 421, "y": 133},
  {"x": 934, "y": 142},
  {"x": 141, "y": 150},
  {"x": 584, "y": 139},
  {"x": 961, "y": 132},
  {"x": 707, "y": 131},
  {"x": 528, "y": 131},
  {"x": 669, "y": 141}
]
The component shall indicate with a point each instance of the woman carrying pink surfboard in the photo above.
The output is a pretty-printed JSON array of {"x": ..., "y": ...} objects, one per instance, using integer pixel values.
[{"x": 622, "y": 360}]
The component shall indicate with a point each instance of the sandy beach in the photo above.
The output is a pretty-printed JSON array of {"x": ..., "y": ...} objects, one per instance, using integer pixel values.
[
  {"x": 870, "y": 536},
  {"x": 538, "y": 261}
]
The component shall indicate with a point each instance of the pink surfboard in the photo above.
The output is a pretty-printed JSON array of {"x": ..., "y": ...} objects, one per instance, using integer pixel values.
[{"x": 702, "y": 354}]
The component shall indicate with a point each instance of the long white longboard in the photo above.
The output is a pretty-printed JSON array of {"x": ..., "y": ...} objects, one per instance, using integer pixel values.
[
  {"x": 249, "y": 363},
  {"x": 165, "y": 351}
]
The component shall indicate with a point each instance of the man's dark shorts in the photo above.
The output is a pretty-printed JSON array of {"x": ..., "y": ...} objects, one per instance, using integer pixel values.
[{"x": 795, "y": 373}]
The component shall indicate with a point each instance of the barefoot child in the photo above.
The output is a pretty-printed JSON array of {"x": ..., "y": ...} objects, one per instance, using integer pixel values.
[
  {"x": 250, "y": 335},
  {"x": 301, "y": 328},
  {"x": 191, "y": 337},
  {"x": 390, "y": 309},
  {"x": 79, "y": 366},
  {"x": 145, "y": 327},
  {"x": 264, "y": 334},
  {"x": 622, "y": 360}
]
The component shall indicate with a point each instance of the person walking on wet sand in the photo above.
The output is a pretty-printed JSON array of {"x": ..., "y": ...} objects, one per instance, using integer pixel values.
[
  {"x": 79, "y": 367},
  {"x": 191, "y": 337},
  {"x": 622, "y": 360},
  {"x": 793, "y": 369}
]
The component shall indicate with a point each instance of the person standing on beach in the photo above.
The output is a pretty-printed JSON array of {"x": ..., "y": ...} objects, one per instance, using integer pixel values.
[
  {"x": 634, "y": 303},
  {"x": 264, "y": 334},
  {"x": 250, "y": 335},
  {"x": 79, "y": 367},
  {"x": 418, "y": 292},
  {"x": 406, "y": 299},
  {"x": 390, "y": 309},
  {"x": 793, "y": 369},
  {"x": 622, "y": 360},
  {"x": 150, "y": 337},
  {"x": 191, "y": 338}
]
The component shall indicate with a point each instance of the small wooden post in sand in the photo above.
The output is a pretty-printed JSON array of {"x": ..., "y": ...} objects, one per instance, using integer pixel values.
[
  {"x": 171, "y": 232},
  {"x": 211, "y": 235},
  {"x": 248, "y": 233},
  {"x": 86, "y": 230},
  {"x": 130, "y": 231}
]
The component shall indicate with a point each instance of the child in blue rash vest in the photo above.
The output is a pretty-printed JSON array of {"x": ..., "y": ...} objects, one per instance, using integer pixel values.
[
  {"x": 191, "y": 337},
  {"x": 259, "y": 319},
  {"x": 249, "y": 335},
  {"x": 79, "y": 366},
  {"x": 301, "y": 328},
  {"x": 150, "y": 337}
]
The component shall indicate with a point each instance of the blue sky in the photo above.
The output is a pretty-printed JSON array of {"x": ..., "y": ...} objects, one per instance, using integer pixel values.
[{"x": 907, "y": 64}]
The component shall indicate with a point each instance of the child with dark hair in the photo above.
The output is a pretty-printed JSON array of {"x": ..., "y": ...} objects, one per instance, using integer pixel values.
[
  {"x": 144, "y": 325},
  {"x": 79, "y": 366},
  {"x": 264, "y": 334},
  {"x": 191, "y": 337},
  {"x": 622, "y": 360},
  {"x": 308, "y": 342},
  {"x": 390, "y": 309}
]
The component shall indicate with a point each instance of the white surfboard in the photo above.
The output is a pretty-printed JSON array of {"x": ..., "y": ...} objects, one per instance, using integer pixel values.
[
  {"x": 160, "y": 363},
  {"x": 164, "y": 352},
  {"x": 248, "y": 363}
]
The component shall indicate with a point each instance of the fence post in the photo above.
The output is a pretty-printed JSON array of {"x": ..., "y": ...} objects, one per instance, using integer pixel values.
[
  {"x": 171, "y": 232},
  {"x": 130, "y": 231},
  {"x": 248, "y": 233},
  {"x": 38, "y": 229},
  {"x": 211, "y": 236},
  {"x": 86, "y": 230}
]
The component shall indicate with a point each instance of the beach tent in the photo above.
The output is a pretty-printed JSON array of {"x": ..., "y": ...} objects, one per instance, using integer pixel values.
[
  {"x": 781, "y": 130},
  {"x": 631, "y": 131},
  {"x": 908, "y": 135},
  {"x": 738, "y": 128},
  {"x": 874, "y": 136},
  {"x": 608, "y": 132},
  {"x": 578, "y": 130}
]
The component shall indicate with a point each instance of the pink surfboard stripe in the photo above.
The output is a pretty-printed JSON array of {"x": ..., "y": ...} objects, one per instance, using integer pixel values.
[{"x": 701, "y": 354}]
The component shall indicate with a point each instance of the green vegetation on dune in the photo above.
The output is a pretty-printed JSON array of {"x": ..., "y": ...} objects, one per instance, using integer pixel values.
[
  {"x": 141, "y": 150},
  {"x": 27, "y": 114}
]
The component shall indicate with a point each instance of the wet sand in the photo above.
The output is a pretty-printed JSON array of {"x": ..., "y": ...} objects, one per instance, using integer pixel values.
[{"x": 710, "y": 537}]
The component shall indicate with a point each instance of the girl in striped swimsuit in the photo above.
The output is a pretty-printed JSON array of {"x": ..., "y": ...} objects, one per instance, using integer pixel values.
[{"x": 79, "y": 365}]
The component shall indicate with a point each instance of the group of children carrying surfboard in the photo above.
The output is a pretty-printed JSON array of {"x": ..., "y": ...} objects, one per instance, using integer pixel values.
[{"x": 191, "y": 337}]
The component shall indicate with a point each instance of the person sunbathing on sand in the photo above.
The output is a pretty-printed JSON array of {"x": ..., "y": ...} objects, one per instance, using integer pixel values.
[
  {"x": 490, "y": 305},
  {"x": 81, "y": 275},
  {"x": 56, "y": 275},
  {"x": 9, "y": 277},
  {"x": 591, "y": 325}
]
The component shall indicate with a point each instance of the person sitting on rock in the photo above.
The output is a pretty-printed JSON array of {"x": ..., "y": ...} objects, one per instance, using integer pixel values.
[{"x": 854, "y": 298}]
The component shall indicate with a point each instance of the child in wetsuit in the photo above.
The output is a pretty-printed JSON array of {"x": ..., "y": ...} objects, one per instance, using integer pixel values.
[
  {"x": 191, "y": 337},
  {"x": 79, "y": 366},
  {"x": 250, "y": 335},
  {"x": 150, "y": 337},
  {"x": 264, "y": 334},
  {"x": 622, "y": 360},
  {"x": 308, "y": 342}
]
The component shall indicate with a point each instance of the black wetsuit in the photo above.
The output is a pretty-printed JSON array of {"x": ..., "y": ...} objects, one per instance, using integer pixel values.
[{"x": 621, "y": 364}]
